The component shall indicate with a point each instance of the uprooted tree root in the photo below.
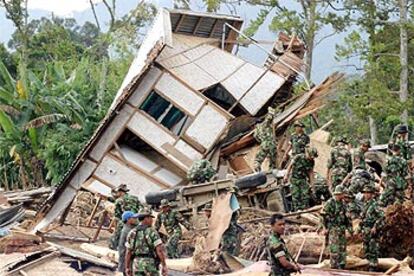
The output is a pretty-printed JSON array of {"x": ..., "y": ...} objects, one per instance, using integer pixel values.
[{"x": 397, "y": 236}]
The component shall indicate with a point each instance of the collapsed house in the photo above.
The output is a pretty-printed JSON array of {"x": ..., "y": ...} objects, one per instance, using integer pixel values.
[{"x": 185, "y": 93}]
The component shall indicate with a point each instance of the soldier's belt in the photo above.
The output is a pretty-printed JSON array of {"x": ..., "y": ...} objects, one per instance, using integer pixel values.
[{"x": 144, "y": 256}]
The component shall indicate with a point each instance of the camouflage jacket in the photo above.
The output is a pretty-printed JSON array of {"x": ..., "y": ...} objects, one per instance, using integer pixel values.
[
  {"x": 127, "y": 203},
  {"x": 334, "y": 215},
  {"x": 299, "y": 143},
  {"x": 171, "y": 221},
  {"x": 142, "y": 241},
  {"x": 340, "y": 158},
  {"x": 405, "y": 148},
  {"x": 277, "y": 248},
  {"x": 264, "y": 132},
  {"x": 301, "y": 166},
  {"x": 358, "y": 159},
  {"x": 396, "y": 166},
  {"x": 372, "y": 215}
]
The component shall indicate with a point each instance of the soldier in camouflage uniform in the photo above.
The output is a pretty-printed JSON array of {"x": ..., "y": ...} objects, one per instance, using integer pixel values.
[
  {"x": 264, "y": 135},
  {"x": 352, "y": 206},
  {"x": 358, "y": 155},
  {"x": 360, "y": 178},
  {"x": 171, "y": 220},
  {"x": 321, "y": 191},
  {"x": 145, "y": 250},
  {"x": 396, "y": 171},
  {"x": 301, "y": 178},
  {"x": 401, "y": 140},
  {"x": 124, "y": 202},
  {"x": 339, "y": 163},
  {"x": 370, "y": 226},
  {"x": 336, "y": 222},
  {"x": 299, "y": 140},
  {"x": 201, "y": 171},
  {"x": 280, "y": 260}
]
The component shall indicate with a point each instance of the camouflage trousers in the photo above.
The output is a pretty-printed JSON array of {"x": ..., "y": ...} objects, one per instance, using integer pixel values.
[
  {"x": 391, "y": 195},
  {"x": 145, "y": 267},
  {"x": 267, "y": 149},
  {"x": 337, "y": 176},
  {"x": 371, "y": 247},
  {"x": 354, "y": 209},
  {"x": 300, "y": 190},
  {"x": 321, "y": 193},
  {"x": 173, "y": 250},
  {"x": 230, "y": 243},
  {"x": 114, "y": 241},
  {"x": 337, "y": 247}
]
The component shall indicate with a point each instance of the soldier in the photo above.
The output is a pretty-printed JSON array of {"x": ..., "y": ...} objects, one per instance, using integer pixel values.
[
  {"x": 396, "y": 171},
  {"x": 301, "y": 179},
  {"x": 123, "y": 202},
  {"x": 321, "y": 191},
  {"x": 401, "y": 140},
  {"x": 336, "y": 222},
  {"x": 129, "y": 220},
  {"x": 299, "y": 140},
  {"x": 339, "y": 163},
  {"x": 171, "y": 220},
  {"x": 281, "y": 261},
  {"x": 360, "y": 178},
  {"x": 352, "y": 206},
  {"x": 358, "y": 156},
  {"x": 201, "y": 171},
  {"x": 370, "y": 226},
  {"x": 145, "y": 249},
  {"x": 264, "y": 135}
]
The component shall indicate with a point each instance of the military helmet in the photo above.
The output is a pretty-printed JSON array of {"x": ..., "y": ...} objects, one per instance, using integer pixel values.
[
  {"x": 365, "y": 142},
  {"x": 347, "y": 193},
  {"x": 313, "y": 152},
  {"x": 401, "y": 129},
  {"x": 341, "y": 139},
  {"x": 369, "y": 189},
  {"x": 339, "y": 190},
  {"x": 145, "y": 213},
  {"x": 164, "y": 202},
  {"x": 122, "y": 188},
  {"x": 298, "y": 124}
]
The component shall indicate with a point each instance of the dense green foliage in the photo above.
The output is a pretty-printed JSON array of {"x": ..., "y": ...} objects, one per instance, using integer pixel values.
[{"x": 57, "y": 81}]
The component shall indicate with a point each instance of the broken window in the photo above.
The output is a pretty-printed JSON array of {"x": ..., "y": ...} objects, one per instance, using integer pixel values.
[
  {"x": 224, "y": 99},
  {"x": 165, "y": 113}
]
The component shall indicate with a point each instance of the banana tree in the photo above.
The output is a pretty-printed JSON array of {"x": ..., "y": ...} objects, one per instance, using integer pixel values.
[{"x": 24, "y": 114}]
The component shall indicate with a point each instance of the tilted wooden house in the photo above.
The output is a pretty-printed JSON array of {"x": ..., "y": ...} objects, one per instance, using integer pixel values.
[{"x": 182, "y": 93}]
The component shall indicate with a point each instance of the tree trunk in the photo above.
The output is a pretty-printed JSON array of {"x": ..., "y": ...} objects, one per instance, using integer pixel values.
[
  {"x": 403, "y": 59},
  {"x": 372, "y": 130},
  {"x": 310, "y": 36}
]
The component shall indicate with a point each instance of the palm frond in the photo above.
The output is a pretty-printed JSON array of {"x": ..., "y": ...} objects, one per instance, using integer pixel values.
[
  {"x": 44, "y": 120},
  {"x": 9, "y": 110}
]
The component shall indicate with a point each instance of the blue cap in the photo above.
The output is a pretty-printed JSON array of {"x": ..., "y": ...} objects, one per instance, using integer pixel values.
[{"x": 127, "y": 215}]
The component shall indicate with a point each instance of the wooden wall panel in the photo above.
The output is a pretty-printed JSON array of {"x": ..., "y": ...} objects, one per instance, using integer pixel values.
[
  {"x": 207, "y": 126},
  {"x": 111, "y": 133},
  {"x": 145, "y": 87},
  {"x": 116, "y": 173},
  {"x": 182, "y": 96},
  {"x": 264, "y": 89}
]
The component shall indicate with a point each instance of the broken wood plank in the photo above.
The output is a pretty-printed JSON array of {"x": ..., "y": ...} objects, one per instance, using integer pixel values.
[{"x": 35, "y": 262}]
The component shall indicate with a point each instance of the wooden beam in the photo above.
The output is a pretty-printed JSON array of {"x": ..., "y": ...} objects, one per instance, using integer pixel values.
[
  {"x": 101, "y": 222},
  {"x": 214, "y": 27},
  {"x": 177, "y": 154},
  {"x": 179, "y": 23},
  {"x": 95, "y": 208},
  {"x": 35, "y": 262},
  {"x": 197, "y": 25}
]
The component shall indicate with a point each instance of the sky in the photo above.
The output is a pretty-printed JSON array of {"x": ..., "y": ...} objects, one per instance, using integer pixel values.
[{"x": 323, "y": 65}]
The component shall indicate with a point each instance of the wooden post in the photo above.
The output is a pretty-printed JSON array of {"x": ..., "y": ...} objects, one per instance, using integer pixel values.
[
  {"x": 101, "y": 222},
  {"x": 95, "y": 208}
]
